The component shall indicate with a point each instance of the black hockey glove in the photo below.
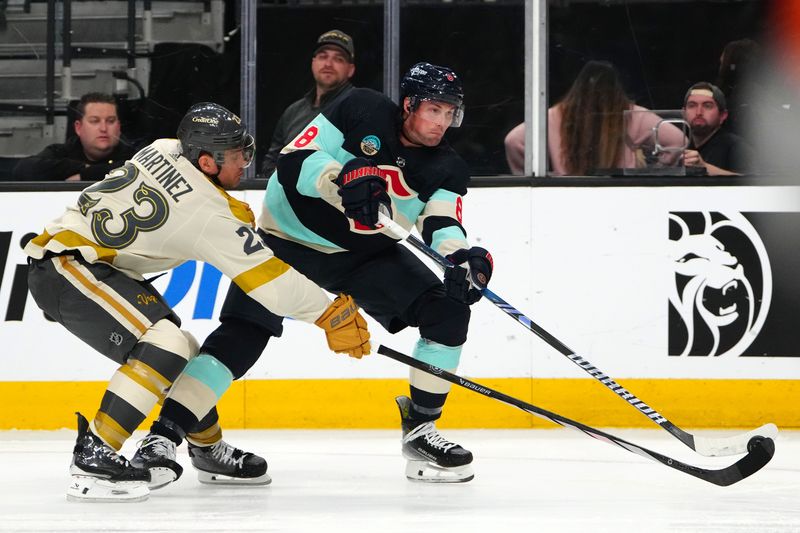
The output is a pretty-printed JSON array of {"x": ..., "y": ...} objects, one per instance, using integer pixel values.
[
  {"x": 363, "y": 191},
  {"x": 465, "y": 284}
]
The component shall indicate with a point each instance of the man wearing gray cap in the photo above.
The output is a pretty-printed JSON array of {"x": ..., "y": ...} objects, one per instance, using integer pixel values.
[
  {"x": 721, "y": 153},
  {"x": 332, "y": 66}
]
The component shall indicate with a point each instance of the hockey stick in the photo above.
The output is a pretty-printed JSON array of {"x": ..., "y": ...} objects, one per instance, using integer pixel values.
[
  {"x": 760, "y": 449},
  {"x": 707, "y": 446}
]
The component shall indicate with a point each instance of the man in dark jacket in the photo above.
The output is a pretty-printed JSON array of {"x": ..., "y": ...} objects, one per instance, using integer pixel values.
[
  {"x": 720, "y": 152},
  {"x": 94, "y": 151},
  {"x": 332, "y": 67}
]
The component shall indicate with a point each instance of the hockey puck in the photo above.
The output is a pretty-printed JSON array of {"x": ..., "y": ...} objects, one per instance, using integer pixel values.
[{"x": 754, "y": 442}]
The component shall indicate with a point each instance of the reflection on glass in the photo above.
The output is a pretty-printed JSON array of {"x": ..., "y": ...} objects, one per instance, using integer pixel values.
[{"x": 658, "y": 148}]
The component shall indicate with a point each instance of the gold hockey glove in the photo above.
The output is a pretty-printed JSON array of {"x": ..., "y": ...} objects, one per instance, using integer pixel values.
[{"x": 345, "y": 328}]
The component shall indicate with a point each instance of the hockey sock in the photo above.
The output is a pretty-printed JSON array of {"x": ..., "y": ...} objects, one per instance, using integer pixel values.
[
  {"x": 437, "y": 354},
  {"x": 207, "y": 432},
  {"x": 204, "y": 380},
  {"x": 138, "y": 384},
  {"x": 169, "y": 429},
  {"x": 426, "y": 406},
  {"x": 428, "y": 393}
]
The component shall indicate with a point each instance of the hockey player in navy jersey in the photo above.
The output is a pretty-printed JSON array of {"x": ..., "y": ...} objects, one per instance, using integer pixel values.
[
  {"x": 320, "y": 215},
  {"x": 166, "y": 205}
]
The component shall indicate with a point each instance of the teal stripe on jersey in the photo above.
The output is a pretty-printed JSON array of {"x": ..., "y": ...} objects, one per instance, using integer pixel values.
[
  {"x": 408, "y": 207},
  {"x": 277, "y": 204},
  {"x": 330, "y": 139},
  {"x": 433, "y": 353},
  {"x": 329, "y": 142},
  {"x": 310, "y": 171},
  {"x": 208, "y": 370},
  {"x": 447, "y": 234},
  {"x": 443, "y": 195}
]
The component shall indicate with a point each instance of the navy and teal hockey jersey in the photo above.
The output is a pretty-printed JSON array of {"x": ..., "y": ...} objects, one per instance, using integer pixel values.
[{"x": 426, "y": 184}]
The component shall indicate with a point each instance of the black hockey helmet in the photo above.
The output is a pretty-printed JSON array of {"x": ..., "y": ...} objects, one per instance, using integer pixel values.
[
  {"x": 212, "y": 129},
  {"x": 425, "y": 81}
]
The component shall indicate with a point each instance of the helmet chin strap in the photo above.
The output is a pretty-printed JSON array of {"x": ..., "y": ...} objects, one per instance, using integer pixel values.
[{"x": 213, "y": 177}]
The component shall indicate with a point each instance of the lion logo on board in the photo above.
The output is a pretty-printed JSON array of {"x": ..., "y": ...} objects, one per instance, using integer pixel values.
[{"x": 722, "y": 283}]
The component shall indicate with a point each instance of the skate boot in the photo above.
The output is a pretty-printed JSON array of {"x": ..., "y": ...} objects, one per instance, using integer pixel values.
[
  {"x": 222, "y": 464},
  {"x": 100, "y": 474},
  {"x": 156, "y": 453},
  {"x": 431, "y": 457}
]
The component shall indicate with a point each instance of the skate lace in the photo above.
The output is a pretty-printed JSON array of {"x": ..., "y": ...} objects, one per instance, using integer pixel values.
[
  {"x": 224, "y": 453},
  {"x": 99, "y": 447},
  {"x": 431, "y": 435},
  {"x": 111, "y": 454},
  {"x": 156, "y": 445}
]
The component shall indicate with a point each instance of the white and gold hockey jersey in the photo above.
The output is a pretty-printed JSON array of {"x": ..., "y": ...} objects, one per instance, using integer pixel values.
[{"x": 157, "y": 211}]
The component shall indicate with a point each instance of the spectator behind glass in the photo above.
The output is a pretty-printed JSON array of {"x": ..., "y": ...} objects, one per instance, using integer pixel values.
[
  {"x": 721, "y": 152},
  {"x": 736, "y": 78},
  {"x": 332, "y": 66},
  {"x": 586, "y": 130},
  {"x": 94, "y": 151},
  {"x": 515, "y": 149}
]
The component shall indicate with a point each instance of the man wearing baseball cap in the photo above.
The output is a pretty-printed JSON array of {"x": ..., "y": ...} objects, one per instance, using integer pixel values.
[
  {"x": 721, "y": 153},
  {"x": 332, "y": 66}
]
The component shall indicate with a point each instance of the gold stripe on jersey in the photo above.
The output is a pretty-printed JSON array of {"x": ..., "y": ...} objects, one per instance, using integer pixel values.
[
  {"x": 147, "y": 377},
  {"x": 102, "y": 294},
  {"x": 241, "y": 210},
  {"x": 109, "y": 430},
  {"x": 72, "y": 241},
  {"x": 261, "y": 274},
  {"x": 42, "y": 240}
]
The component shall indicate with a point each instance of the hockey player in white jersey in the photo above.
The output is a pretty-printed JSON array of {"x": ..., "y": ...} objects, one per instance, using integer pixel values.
[{"x": 86, "y": 271}]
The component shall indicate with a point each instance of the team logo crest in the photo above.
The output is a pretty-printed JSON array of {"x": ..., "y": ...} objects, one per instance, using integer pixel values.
[
  {"x": 116, "y": 338},
  {"x": 370, "y": 145},
  {"x": 722, "y": 285}
]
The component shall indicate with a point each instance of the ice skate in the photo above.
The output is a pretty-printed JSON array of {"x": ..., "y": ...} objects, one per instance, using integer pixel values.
[
  {"x": 100, "y": 474},
  {"x": 223, "y": 464},
  {"x": 156, "y": 453},
  {"x": 431, "y": 458}
]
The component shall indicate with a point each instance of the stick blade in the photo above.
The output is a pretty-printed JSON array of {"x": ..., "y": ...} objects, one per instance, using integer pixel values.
[
  {"x": 734, "y": 445},
  {"x": 762, "y": 449}
]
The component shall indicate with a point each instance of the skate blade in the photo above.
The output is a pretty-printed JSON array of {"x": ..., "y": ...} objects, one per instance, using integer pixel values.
[
  {"x": 161, "y": 476},
  {"x": 426, "y": 472},
  {"x": 219, "y": 479},
  {"x": 99, "y": 490}
]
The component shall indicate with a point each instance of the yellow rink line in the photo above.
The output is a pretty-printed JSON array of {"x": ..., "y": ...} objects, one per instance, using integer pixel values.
[{"x": 368, "y": 403}]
